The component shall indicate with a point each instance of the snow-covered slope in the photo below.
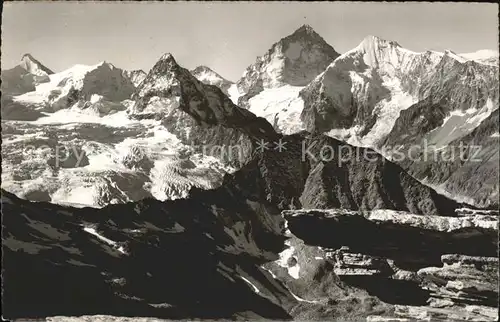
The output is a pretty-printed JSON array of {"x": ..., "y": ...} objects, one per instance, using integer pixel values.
[
  {"x": 68, "y": 157},
  {"x": 207, "y": 76},
  {"x": 280, "y": 106},
  {"x": 383, "y": 96}
]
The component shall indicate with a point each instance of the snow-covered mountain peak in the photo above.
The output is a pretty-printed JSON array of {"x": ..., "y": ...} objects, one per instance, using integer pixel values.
[
  {"x": 34, "y": 66},
  {"x": 208, "y": 76},
  {"x": 294, "y": 60},
  {"x": 371, "y": 41},
  {"x": 168, "y": 57},
  {"x": 305, "y": 31},
  {"x": 203, "y": 73}
]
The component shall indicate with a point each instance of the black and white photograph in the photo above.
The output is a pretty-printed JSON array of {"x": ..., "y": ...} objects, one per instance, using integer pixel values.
[{"x": 253, "y": 161}]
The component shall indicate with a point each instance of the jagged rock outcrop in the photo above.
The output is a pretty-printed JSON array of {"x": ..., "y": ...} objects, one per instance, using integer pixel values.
[
  {"x": 207, "y": 76},
  {"x": 446, "y": 268}
]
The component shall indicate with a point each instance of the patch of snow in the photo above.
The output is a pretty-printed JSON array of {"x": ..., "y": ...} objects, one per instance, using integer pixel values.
[
  {"x": 270, "y": 272},
  {"x": 459, "y": 123},
  {"x": 301, "y": 299},
  {"x": 455, "y": 56},
  {"x": 255, "y": 289},
  {"x": 68, "y": 116},
  {"x": 95, "y": 98},
  {"x": 388, "y": 111},
  {"x": 234, "y": 93},
  {"x": 495, "y": 135},
  {"x": 285, "y": 256},
  {"x": 108, "y": 241},
  {"x": 438, "y": 223}
]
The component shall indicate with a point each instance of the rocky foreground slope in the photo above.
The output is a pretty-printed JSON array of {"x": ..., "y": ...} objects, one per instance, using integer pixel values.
[
  {"x": 425, "y": 267},
  {"x": 229, "y": 254}
]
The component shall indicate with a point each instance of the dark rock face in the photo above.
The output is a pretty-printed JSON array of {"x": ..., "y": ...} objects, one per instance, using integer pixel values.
[
  {"x": 152, "y": 261},
  {"x": 12, "y": 110},
  {"x": 467, "y": 167},
  {"x": 294, "y": 60},
  {"x": 198, "y": 114},
  {"x": 359, "y": 178},
  {"x": 426, "y": 266},
  {"x": 17, "y": 81}
]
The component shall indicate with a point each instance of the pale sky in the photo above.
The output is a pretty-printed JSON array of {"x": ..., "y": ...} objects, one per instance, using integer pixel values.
[{"x": 229, "y": 36}]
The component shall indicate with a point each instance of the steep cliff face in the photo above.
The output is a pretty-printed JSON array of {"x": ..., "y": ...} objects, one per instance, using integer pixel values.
[
  {"x": 294, "y": 60},
  {"x": 199, "y": 115},
  {"x": 135, "y": 76},
  {"x": 269, "y": 88},
  {"x": 466, "y": 168}
]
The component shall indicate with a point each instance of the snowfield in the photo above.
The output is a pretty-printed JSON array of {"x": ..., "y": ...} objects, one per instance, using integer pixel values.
[
  {"x": 281, "y": 107},
  {"x": 116, "y": 160}
]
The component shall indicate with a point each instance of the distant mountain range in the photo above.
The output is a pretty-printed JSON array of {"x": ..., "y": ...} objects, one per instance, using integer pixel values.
[{"x": 377, "y": 95}]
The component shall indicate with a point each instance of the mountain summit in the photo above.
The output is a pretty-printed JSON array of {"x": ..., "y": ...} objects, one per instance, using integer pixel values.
[
  {"x": 208, "y": 76},
  {"x": 294, "y": 60},
  {"x": 34, "y": 66}
]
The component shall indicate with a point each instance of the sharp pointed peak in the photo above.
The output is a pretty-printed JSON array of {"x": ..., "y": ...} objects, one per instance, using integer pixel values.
[
  {"x": 305, "y": 27},
  {"x": 305, "y": 30},
  {"x": 168, "y": 57},
  {"x": 105, "y": 63},
  {"x": 29, "y": 62},
  {"x": 28, "y": 56}
]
